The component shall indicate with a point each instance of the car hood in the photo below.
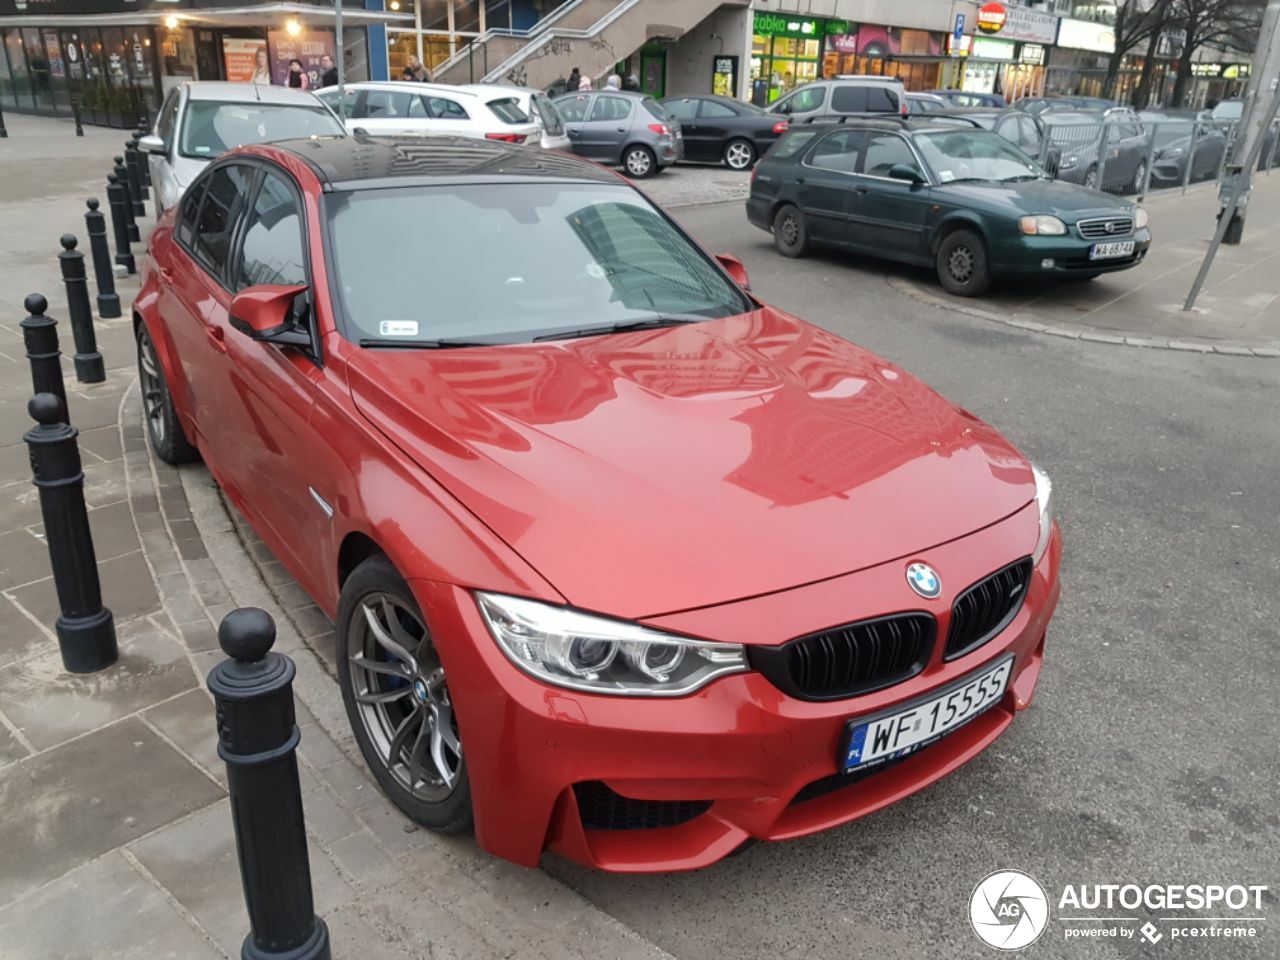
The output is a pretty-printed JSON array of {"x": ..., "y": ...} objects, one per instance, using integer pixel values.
[
  {"x": 186, "y": 169},
  {"x": 1066, "y": 200},
  {"x": 650, "y": 472}
]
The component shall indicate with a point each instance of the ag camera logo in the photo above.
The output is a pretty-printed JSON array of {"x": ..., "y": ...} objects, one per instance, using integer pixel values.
[{"x": 1008, "y": 910}]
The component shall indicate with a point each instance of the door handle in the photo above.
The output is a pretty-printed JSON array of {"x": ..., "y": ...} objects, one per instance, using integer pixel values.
[
  {"x": 166, "y": 274},
  {"x": 622, "y": 129},
  {"x": 860, "y": 189},
  {"x": 217, "y": 339}
]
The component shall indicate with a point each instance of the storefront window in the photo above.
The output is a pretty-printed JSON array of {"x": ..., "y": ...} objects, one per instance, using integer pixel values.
[
  {"x": 20, "y": 78},
  {"x": 38, "y": 65},
  {"x": 6, "y": 78},
  {"x": 784, "y": 60}
]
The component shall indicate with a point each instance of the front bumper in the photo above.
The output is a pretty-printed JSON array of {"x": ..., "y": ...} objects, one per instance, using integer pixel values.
[
  {"x": 1070, "y": 255},
  {"x": 739, "y": 747}
]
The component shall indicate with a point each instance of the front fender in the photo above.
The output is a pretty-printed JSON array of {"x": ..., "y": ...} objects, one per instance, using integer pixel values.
[
  {"x": 146, "y": 311},
  {"x": 958, "y": 218}
]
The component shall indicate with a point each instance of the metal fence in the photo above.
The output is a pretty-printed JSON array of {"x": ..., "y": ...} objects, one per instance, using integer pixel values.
[{"x": 1133, "y": 156}]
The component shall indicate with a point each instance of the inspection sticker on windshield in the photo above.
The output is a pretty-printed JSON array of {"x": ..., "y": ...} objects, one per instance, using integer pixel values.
[
  {"x": 398, "y": 328},
  {"x": 946, "y": 175}
]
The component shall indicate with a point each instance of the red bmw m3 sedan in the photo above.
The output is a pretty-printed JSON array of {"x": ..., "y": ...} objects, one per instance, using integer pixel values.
[{"x": 624, "y": 563}]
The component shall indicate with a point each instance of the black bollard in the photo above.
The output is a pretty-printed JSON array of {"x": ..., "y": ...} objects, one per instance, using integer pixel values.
[
  {"x": 145, "y": 165},
  {"x": 136, "y": 190},
  {"x": 130, "y": 221},
  {"x": 85, "y": 628},
  {"x": 95, "y": 223},
  {"x": 88, "y": 361},
  {"x": 75, "y": 112},
  {"x": 119, "y": 225},
  {"x": 257, "y": 739},
  {"x": 3, "y": 132},
  {"x": 40, "y": 334}
]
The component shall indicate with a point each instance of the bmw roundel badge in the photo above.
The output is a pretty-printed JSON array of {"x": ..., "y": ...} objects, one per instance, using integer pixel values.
[{"x": 924, "y": 580}]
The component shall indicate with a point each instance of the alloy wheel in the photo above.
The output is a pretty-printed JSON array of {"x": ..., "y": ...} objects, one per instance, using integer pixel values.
[
  {"x": 960, "y": 263},
  {"x": 638, "y": 163},
  {"x": 790, "y": 228},
  {"x": 403, "y": 702},
  {"x": 152, "y": 387},
  {"x": 738, "y": 155}
]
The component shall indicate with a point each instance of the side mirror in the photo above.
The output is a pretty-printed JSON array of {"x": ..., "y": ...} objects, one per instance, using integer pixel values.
[
  {"x": 904, "y": 171},
  {"x": 266, "y": 312},
  {"x": 152, "y": 144},
  {"x": 733, "y": 266}
]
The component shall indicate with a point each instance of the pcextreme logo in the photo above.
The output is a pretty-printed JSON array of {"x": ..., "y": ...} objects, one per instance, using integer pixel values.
[{"x": 1010, "y": 909}]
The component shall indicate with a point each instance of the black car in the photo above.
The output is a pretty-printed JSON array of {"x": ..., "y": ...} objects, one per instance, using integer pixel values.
[
  {"x": 724, "y": 130},
  {"x": 1025, "y": 131},
  {"x": 936, "y": 193}
]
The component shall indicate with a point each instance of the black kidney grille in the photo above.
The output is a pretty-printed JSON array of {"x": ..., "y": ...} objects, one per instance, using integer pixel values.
[
  {"x": 986, "y": 608},
  {"x": 850, "y": 659},
  {"x": 602, "y": 809}
]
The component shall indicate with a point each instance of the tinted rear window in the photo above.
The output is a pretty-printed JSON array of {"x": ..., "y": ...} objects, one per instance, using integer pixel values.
[
  {"x": 864, "y": 98},
  {"x": 654, "y": 107},
  {"x": 508, "y": 110}
]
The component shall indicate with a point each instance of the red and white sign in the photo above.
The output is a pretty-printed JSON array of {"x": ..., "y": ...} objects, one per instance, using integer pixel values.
[{"x": 991, "y": 17}]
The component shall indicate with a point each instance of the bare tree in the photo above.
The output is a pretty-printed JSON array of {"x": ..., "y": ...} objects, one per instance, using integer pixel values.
[
  {"x": 1136, "y": 21},
  {"x": 1226, "y": 23}
]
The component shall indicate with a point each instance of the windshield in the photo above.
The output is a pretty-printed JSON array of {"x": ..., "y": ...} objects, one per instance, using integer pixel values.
[
  {"x": 508, "y": 110},
  {"x": 521, "y": 261},
  {"x": 211, "y": 128},
  {"x": 1167, "y": 131},
  {"x": 974, "y": 155},
  {"x": 1228, "y": 110}
]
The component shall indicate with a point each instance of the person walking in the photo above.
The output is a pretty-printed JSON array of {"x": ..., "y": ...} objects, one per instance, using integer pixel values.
[
  {"x": 631, "y": 83},
  {"x": 584, "y": 84},
  {"x": 613, "y": 83},
  {"x": 417, "y": 69},
  {"x": 298, "y": 78},
  {"x": 328, "y": 72},
  {"x": 575, "y": 78}
]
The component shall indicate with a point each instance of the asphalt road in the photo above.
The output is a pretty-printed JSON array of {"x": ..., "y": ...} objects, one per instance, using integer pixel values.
[{"x": 1150, "y": 751}]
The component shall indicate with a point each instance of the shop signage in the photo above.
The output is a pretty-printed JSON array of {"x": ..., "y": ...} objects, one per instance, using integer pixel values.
[
  {"x": 959, "y": 46},
  {"x": 1085, "y": 35},
  {"x": 1227, "y": 71},
  {"x": 985, "y": 48},
  {"x": 778, "y": 25},
  {"x": 844, "y": 43},
  {"x": 991, "y": 17},
  {"x": 1032, "y": 53}
]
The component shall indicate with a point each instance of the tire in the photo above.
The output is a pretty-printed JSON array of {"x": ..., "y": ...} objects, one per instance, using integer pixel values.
[
  {"x": 639, "y": 161},
  {"x": 739, "y": 154},
  {"x": 164, "y": 429},
  {"x": 1091, "y": 178},
  {"x": 790, "y": 235},
  {"x": 962, "y": 264},
  {"x": 1140, "y": 175},
  {"x": 383, "y": 719}
]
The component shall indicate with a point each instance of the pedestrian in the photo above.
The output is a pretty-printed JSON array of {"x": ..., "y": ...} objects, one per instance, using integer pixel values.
[
  {"x": 407, "y": 74},
  {"x": 631, "y": 83},
  {"x": 417, "y": 69},
  {"x": 613, "y": 83},
  {"x": 328, "y": 72},
  {"x": 584, "y": 83},
  {"x": 575, "y": 78},
  {"x": 298, "y": 78}
]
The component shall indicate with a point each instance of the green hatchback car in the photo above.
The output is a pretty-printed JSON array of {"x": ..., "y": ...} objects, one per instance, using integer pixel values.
[{"x": 960, "y": 199}]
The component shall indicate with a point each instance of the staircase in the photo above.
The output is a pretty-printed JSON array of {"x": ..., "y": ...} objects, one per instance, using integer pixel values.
[{"x": 591, "y": 35}]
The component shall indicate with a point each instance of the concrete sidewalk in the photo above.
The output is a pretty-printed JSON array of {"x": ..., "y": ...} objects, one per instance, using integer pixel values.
[
  {"x": 114, "y": 823},
  {"x": 1237, "y": 313}
]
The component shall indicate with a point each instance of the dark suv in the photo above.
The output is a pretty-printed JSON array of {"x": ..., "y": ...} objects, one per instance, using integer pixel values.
[{"x": 933, "y": 192}]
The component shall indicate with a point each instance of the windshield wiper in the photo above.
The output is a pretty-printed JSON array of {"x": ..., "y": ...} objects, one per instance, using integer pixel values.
[
  {"x": 1023, "y": 176},
  {"x": 422, "y": 344},
  {"x": 652, "y": 323},
  {"x": 968, "y": 180}
]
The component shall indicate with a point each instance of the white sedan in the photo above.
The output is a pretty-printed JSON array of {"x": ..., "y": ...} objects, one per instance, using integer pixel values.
[
  {"x": 401, "y": 108},
  {"x": 200, "y": 120}
]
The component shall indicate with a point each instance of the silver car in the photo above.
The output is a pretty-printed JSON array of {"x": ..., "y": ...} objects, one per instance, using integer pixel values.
[
  {"x": 622, "y": 128},
  {"x": 200, "y": 120},
  {"x": 536, "y": 105}
]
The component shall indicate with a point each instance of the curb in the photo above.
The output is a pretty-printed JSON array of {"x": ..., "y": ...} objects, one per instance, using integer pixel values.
[{"x": 1269, "y": 349}]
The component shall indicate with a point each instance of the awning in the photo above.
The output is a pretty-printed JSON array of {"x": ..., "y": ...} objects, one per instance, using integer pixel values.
[{"x": 263, "y": 15}]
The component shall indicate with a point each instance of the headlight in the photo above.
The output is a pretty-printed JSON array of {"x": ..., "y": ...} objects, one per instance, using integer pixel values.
[
  {"x": 1046, "y": 226},
  {"x": 1044, "y": 493},
  {"x": 1139, "y": 218},
  {"x": 572, "y": 649},
  {"x": 1069, "y": 161},
  {"x": 1173, "y": 154}
]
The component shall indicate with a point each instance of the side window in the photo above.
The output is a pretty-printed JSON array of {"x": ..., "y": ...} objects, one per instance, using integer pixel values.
[
  {"x": 190, "y": 209},
  {"x": 573, "y": 109},
  {"x": 331, "y": 99},
  {"x": 224, "y": 197},
  {"x": 443, "y": 109},
  {"x": 839, "y": 152},
  {"x": 884, "y": 151},
  {"x": 685, "y": 109},
  {"x": 380, "y": 104},
  {"x": 167, "y": 125},
  {"x": 883, "y": 100},
  {"x": 808, "y": 98},
  {"x": 610, "y": 108},
  {"x": 418, "y": 108},
  {"x": 272, "y": 251},
  {"x": 715, "y": 111},
  {"x": 1030, "y": 133},
  {"x": 849, "y": 99}
]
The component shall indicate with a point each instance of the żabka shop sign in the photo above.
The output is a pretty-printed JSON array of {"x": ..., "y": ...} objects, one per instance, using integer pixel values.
[{"x": 1017, "y": 23}]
